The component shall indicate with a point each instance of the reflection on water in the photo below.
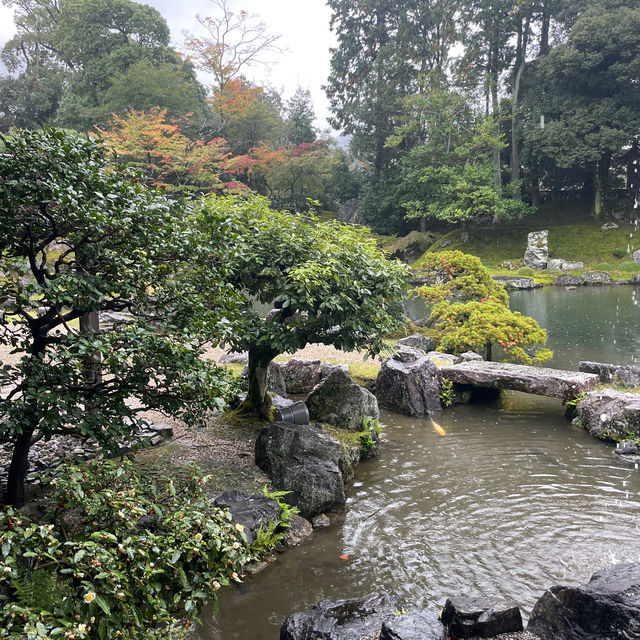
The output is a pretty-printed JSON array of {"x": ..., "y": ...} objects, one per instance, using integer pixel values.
[
  {"x": 510, "y": 501},
  {"x": 586, "y": 323}
]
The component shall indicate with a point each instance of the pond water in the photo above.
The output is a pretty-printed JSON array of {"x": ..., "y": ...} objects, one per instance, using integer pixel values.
[
  {"x": 586, "y": 323},
  {"x": 512, "y": 500}
]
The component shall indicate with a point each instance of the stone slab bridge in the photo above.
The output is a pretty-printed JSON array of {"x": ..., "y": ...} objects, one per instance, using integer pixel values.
[{"x": 540, "y": 381}]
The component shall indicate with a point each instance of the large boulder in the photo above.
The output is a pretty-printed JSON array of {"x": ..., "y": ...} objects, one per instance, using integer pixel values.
[
  {"x": 418, "y": 341},
  {"x": 350, "y": 212},
  {"x": 251, "y": 511},
  {"x": 517, "y": 282},
  {"x": 352, "y": 619},
  {"x": 567, "y": 280},
  {"x": 610, "y": 414},
  {"x": 536, "y": 254},
  {"x": 300, "y": 375},
  {"x": 306, "y": 461},
  {"x": 339, "y": 401},
  {"x": 635, "y": 256},
  {"x": 466, "y": 617},
  {"x": 624, "y": 374},
  {"x": 275, "y": 381},
  {"x": 409, "y": 382},
  {"x": 418, "y": 624},
  {"x": 606, "y": 608},
  {"x": 558, "y": 264},
  {"x": 596, "y": 278}
]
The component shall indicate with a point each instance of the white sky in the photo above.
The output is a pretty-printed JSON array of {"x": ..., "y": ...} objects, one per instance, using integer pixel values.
[{"x": 303, "y": 25}]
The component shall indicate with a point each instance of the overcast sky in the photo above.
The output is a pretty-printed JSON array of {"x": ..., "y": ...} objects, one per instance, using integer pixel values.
[{"x": 303, "y": 25}]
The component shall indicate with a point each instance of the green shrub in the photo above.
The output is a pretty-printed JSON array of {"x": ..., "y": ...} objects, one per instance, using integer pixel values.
[
  {"x": 603, "y": 266},
  {"x": 632, "y": 267},
  {"x": 446, "y": 393},
  {"x": 126, "y": 557},
  {"x": 525, "y": 271},
  {"x": 370, "y": 434},
  {"x": 619, "y": 253}
]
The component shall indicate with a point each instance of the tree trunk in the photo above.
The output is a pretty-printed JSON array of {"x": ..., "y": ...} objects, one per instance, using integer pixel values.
[
  {"x": 544, "y": 28},
  {"x": 600, "y": 179},
  {"x": 488, "y": 352},
  {"x": 258, "y": 400},
  {"x": 90, "y": 322},
  {"x": 535, "y": 191},
  {"x": 423, "y": 224},
  {"x": 18, "y": 469}
]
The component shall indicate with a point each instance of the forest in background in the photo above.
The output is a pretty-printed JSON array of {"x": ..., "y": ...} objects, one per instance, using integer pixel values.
[{"x": 457, "y": 110}]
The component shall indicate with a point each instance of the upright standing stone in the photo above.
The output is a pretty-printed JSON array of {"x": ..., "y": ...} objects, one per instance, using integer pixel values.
[{"x": 536, "y": 255}]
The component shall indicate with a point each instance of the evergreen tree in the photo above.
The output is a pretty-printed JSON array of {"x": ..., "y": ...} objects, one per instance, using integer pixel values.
[{"x": 300, "y": 117}]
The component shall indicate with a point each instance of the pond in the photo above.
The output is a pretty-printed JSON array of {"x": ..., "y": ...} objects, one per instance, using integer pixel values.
[
  {"x": 586, "y": 323},
  {"x": 512, "y": 500}
]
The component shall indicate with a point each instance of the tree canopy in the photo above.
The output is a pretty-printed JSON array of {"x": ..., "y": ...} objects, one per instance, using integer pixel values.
[
  {"x": 472, "y": 313},
  {"x": 77, "y": 239},
  {"x": 327, "y": 283}
]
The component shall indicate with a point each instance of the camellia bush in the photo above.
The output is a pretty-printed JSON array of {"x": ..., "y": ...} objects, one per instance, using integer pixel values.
[
  {"x": 121, "y": 557},
  {"x": 471, "y": 311}
]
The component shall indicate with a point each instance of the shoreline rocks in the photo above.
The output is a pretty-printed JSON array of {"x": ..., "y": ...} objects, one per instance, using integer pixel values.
[
  {"x": 409, "y": 382},
  {"x": 306, "y": 461},
  {"x": 610, "y": 414},
  {"x": 625, "y": 375},
  {"x": 339, "y": 401},
  {"x": 606, "y": 608}
]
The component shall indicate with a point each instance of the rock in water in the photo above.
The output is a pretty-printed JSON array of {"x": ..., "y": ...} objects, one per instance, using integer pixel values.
[
  {"x": 351, "y": 619},
  {"x": 606, "y": 608},
  {"x": 306, "y": 461},
  {"x": 610, "y": 414},
  {"x": 409, "y": 383},
  {"x": 414, "y": 625},
  {"x": 339, "y": 401},
  {"x": 536, "y": 254},
  {"x": 466, "y": 617}
]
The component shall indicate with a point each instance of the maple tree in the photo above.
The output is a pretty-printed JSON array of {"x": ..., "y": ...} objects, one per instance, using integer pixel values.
[
  {"x": 233, "y": 41},
  {"x": 145, "y": 140}
]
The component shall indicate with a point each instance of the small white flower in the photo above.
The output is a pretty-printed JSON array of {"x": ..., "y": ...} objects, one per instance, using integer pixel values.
[
  {"x": 89, "y": 597},
  {"x": 6, "y": 570},
  {"x": 239, "y": 528},
  {"x": 216, "y": 585},
  {"x": 236, "y": 545}
]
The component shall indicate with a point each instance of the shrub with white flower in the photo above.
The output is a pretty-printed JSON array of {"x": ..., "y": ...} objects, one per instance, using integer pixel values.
[{"x": 139, "y": 565}]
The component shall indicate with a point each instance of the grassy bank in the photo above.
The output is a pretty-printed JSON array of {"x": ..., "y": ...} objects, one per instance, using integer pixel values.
[{"x": 574, "y": 234}]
